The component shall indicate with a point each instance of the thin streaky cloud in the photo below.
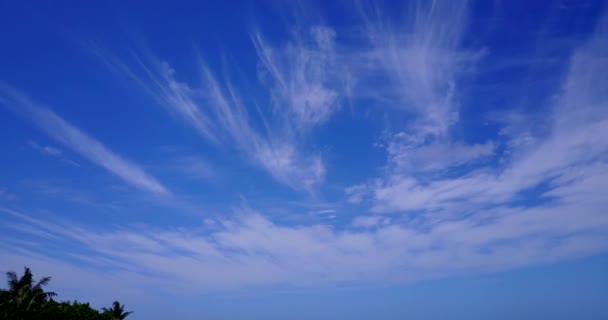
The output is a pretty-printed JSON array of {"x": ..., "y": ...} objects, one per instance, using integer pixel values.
[
  {"x": 377, "y": 250},
  {"x": 157, "y": 78},
  {"x": 571, "y": 151},
  {"x": 277, "y": 153},
  {"x": 81, "y": 143},
  {"x": 418, "y": 60},
  {"x": 52, "y": 152},
  {"x": 217, "y": 112},
  {"x": 304, "y": 76}
]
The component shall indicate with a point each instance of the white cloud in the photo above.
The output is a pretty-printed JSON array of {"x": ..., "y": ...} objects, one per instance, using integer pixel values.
[
  {"x": 284, "y": 164},
  {"x": 157, "y": 78},
  {"x": 52, "y": 152},
  {"x": 356, "y": 193},
  {"x": 367, "y": 221},
  {"x": 325, "y": 211},
  {"x": 217, "y": 112},
  {"x": 575, "y": 143},
  {"x": 250, "y": 249},
  {"x": 305, "y": 76},
  {"x": 414, "y": 64},
  {"x": 417, "y": 61},
  {"x": 405, "y": 158},
  {"x": 81, "y": 143}
]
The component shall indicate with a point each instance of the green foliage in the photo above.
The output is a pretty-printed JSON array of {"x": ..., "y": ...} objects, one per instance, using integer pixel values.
[
  {"x": 117, "y": 311},
  {"x": 72, "y": 311},
  {"x": 24, "y": 300}
]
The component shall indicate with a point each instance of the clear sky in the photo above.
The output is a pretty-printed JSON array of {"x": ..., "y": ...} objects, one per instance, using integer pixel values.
[{"x": 309, "y": 160}]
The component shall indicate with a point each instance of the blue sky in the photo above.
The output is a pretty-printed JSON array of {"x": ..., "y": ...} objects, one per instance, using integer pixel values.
[{"x": 358, "y": 160}]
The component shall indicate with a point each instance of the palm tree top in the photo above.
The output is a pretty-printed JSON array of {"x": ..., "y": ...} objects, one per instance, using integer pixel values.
[
  {"x": 23, "y": 295},
  {"x": 25, "y": 283},
  {"x": 117, "y": 310}
]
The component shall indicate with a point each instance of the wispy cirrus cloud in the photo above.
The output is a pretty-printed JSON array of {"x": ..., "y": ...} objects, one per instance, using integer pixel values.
[
  {"x": 413, "y": 65},
  {"x": 416, "y": 65},
  {"x": 417, "y": 61},
  {"x": 249, "y": 249},
  {"x": 306, "y": 78},
  {"x": 71, "y": 137},
  {"x": 356, "y": 193},
  {"x": 404, "y": 158},
  {"x": 218, "y": 113},
  {"x": 51, "y": 152},
  {"x": 571, "y": 151}
]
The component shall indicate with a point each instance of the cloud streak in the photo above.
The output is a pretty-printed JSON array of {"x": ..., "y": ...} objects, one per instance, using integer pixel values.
[
  {"x": 574, "y": 147},
  {"x": 418, "y": 60},
  {"x": 306, "y": 80},
  {"x": 78, "y": 141},
  {"x": 51, "y": 152},
  {"x": 218, "y": 113},
  {"x": 250, "y": 250}
]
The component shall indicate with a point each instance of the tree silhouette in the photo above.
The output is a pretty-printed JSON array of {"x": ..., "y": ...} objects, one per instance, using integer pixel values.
[
  {"x": 117, "y": 311},
  {"x": 72, "y": 311},
  {"x": 23, "y": 299}
]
